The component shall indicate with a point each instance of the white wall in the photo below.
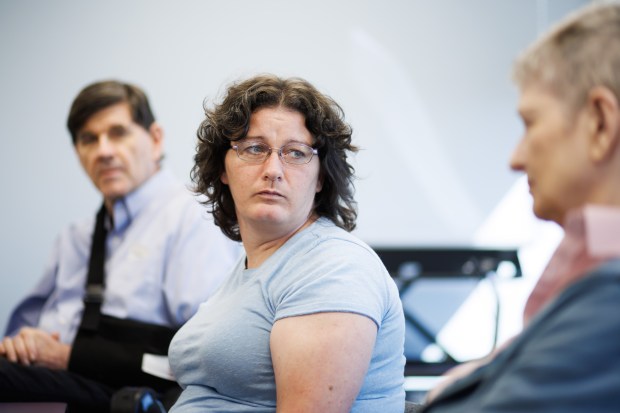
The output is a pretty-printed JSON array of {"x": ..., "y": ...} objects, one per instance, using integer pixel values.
[{"x": 424, "y": 83}]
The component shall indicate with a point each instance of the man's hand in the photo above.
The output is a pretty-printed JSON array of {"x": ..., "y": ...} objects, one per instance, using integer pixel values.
[{"x": 33, "y": 346}]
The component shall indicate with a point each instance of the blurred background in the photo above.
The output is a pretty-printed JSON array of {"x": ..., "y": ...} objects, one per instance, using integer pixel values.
[{"x": 424, "y": 83}]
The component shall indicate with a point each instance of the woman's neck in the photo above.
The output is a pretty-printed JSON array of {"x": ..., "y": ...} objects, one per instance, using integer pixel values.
[{"x": 258, "y": 247}]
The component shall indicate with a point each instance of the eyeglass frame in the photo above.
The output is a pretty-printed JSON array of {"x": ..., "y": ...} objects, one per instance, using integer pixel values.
[{"x": 278, "y": 151}]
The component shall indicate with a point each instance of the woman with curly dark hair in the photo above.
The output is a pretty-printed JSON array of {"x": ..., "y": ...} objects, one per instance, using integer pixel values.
[{"x": 309, "y": 320}]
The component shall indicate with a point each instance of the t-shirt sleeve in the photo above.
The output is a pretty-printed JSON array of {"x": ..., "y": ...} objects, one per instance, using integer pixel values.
[{"x": 335, "y": 276}]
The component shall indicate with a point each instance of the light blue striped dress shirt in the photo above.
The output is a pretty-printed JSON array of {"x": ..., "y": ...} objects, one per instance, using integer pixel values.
[{"x": 164, "y": 257}]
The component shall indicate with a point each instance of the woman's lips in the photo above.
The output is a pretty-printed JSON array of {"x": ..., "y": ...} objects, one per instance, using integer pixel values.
[{"x": 270, "y": 194}]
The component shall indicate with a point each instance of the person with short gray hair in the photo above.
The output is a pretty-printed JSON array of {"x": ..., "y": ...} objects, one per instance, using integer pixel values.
[{"x": 567, "y": 358}]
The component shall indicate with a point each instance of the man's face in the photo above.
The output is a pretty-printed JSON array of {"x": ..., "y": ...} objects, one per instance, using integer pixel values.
[
  {"x": 118, "y": 154},
  {"x": 553, "y": 152}
]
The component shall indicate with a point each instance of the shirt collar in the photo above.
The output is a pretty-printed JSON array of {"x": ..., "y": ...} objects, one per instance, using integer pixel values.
[
  {"x": 589, "y": 239},
  {"x": 601, "y": 225},
  {"x": 128, "y": 207}
]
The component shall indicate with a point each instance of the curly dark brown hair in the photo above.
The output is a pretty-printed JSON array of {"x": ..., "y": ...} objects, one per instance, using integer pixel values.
[{"x": 229, "y": 121}]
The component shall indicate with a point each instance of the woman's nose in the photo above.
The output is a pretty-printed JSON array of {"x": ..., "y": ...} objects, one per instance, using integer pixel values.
[{"x": 273, "y": 166}]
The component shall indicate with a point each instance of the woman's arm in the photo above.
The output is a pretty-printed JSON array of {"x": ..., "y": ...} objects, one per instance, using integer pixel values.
[{"x": 320, "y": 360}]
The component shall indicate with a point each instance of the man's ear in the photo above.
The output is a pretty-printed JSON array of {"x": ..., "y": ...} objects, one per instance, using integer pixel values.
[
  {"x": 603, "y": 105},
  {"x": 157, "y": 134}
]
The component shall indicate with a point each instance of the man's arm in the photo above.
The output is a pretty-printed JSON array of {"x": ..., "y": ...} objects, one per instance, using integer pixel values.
[
  {"x": 27, "y": 344},
  {"x": 199, "y": 261},
  {"x": 114, "y": 355},
  {"x": 28, "y": 312}
]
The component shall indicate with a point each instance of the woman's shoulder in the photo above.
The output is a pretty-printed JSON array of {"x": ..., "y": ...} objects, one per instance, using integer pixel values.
[
  {"x": 324, "y": 247},
  {"x": 328, "y": 234}
]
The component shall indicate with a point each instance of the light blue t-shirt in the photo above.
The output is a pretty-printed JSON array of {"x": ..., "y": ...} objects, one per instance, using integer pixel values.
[{"x": 222, "y": 358}]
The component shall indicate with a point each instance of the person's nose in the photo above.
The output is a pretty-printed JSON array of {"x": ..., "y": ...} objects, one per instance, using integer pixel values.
[
  {"x": 105, "y": 147},
  {"x": 273, "y": 167},
  {"x": 518, "y": 157}
]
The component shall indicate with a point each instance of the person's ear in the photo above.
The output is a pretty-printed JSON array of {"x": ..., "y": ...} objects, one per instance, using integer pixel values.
[
  {"x": 319, "y": 183},
  {"x": 224, "y": 178},
  {"x": 605, "y": 127},
  {"x": 157, "y": 135}
]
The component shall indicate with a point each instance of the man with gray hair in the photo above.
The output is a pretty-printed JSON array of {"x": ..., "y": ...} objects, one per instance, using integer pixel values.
[{"x": 567, "y": 358}]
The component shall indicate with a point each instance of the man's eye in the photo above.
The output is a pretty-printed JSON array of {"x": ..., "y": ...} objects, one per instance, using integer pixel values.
[
  {"x": 86, "y": 139},
  {"x": 117, "y": 132}
]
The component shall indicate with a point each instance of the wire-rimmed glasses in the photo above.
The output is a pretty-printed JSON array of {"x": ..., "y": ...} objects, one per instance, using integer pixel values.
[{"x": 293, "y": 153}]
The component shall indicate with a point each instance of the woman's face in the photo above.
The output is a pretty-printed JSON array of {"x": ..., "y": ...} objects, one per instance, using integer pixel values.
[
  {"x": 273, "y": 198},
  {"x": 554, "y": 154}
]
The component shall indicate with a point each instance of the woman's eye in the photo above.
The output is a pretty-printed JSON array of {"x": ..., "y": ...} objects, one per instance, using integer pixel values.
[
  {"x": 294, "y": 153},
  {"x": 255, "y": 149}
]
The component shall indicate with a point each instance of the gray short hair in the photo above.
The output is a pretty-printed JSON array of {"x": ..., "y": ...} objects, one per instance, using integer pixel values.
[{"x": 579, "y": 53}]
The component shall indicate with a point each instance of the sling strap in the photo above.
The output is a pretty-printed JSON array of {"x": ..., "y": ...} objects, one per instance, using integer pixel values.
[
  {"x": 95, "y": 282},
  {"x": 110, "y": 349}
]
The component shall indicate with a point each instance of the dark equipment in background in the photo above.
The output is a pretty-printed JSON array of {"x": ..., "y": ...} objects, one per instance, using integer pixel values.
[{"x": 433, "y": 283}]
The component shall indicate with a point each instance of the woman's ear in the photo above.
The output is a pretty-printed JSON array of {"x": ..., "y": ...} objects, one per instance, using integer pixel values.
[
  {"x": 319, "y": 183},
  {"x": 603, "y": 106}
]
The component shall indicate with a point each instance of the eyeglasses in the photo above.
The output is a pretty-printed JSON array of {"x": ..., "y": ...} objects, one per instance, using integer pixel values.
[{"x": 293, "y": 153}]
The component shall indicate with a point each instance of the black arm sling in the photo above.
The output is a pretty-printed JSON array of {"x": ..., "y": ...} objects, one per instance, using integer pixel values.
[{"x": 110, "y": 349}]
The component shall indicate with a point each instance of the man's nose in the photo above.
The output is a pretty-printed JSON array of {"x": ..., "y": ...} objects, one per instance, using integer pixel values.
[{"x": 105, "y": 147}]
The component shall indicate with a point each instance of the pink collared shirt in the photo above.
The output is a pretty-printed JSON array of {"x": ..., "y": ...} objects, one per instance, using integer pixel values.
[{"x": 591, "y": 236}]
